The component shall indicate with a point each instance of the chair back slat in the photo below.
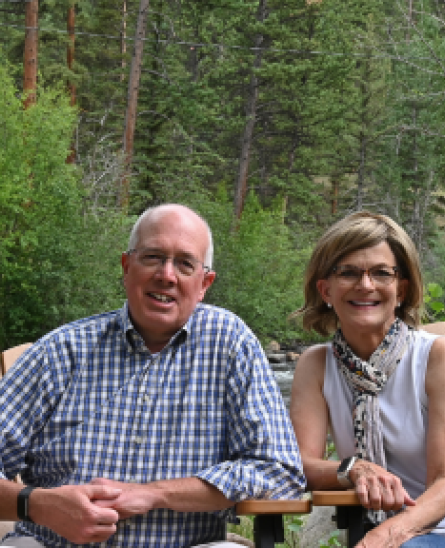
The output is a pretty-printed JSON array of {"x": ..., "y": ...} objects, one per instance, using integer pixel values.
[{"x": 8, "y": 357}]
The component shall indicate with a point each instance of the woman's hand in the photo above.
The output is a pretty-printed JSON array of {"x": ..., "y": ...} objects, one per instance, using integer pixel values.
[{"x": 377, "y": 488}]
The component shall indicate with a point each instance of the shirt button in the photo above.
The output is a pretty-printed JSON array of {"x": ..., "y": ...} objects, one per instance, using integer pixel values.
[
  {"x": 147, "y": 399},
  {"x": 138, "y": 439}
]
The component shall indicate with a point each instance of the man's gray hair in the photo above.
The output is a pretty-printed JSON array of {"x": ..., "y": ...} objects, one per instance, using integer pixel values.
[{"x": 151, "y": 211}]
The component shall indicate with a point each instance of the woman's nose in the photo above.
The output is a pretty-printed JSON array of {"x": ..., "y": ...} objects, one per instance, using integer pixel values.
[{"x": 366, "y": 281}]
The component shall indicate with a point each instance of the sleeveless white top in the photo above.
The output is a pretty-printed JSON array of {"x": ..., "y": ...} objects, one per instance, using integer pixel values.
[{"x": 403, "y": 414}]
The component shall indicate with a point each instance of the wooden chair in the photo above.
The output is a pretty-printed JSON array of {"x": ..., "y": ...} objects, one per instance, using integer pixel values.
[
  {"x": 349, "y": 513},
  {"x": 268, "y": 526},
  {"x": 8, "y": 357}
]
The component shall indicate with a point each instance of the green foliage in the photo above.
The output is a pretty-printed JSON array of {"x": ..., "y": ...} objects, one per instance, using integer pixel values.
[
  {"x": 330, "y": 450},
  {"x": 433, "y": 299},
  {"x": 57, "y": 261},
  {"x": 244, "y": 528},
  {"x": 259, "y": 272},
  {"x": 331, "y": 541},
  {"x": 295, "y": 524},
  {"x": 346, "y": 117}
]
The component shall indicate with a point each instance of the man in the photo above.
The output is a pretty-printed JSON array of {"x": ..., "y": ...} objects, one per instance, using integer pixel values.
[{"x": 144, "y": 426}]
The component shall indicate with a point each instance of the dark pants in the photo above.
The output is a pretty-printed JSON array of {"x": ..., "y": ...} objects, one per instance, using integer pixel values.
[{"x": 425, "y": 541}]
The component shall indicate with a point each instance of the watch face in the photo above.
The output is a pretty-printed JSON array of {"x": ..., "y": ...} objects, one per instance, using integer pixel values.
[{"x": 344, "y": 465}]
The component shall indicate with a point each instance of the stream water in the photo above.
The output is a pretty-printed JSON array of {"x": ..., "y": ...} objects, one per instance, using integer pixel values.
[{"x": 284, "y": 373}]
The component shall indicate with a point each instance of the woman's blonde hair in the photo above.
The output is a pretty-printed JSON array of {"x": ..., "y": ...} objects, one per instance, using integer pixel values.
[{"x": 359, "y": 231}]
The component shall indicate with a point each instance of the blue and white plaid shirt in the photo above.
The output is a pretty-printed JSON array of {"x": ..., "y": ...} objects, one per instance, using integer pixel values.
[{"x": 89, "y": 400}]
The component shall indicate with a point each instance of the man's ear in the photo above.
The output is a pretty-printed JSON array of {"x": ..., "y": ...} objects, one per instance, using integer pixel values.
[
  {"x": 209, "y": 278},
  {"x": 125, "y": 261},
  {"x": 324, "y": 288}
]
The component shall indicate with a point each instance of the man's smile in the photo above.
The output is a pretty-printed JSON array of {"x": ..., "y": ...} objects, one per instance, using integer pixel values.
[{"x": 161, "y": 297}]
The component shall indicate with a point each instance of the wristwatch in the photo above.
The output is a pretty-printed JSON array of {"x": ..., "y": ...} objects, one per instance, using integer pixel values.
[
  {"x": 343, "y": 471},
  {"x": 23, "y": 504}
]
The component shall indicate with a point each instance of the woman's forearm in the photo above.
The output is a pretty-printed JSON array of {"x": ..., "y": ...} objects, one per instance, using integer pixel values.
[{"x": 320, "y": 473}]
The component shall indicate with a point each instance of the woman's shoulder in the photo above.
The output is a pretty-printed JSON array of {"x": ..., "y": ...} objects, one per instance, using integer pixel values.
[
  {"x": 312, "y": 361},
  {"x": 436, "y": 328},
  {"x": 309, "y": 374},
  {"x": 316, "y": 352}
]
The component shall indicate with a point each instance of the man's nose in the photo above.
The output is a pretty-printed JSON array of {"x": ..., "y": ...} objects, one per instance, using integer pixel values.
[{"x": 167, "y": 268}]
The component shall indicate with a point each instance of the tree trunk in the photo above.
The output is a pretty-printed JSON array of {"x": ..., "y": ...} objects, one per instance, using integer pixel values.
[
  {"x": 30, "y": 53},
  {"x": 124, "y": 39},
  {"x": 132, "y": 100},
  {"x": 251, "y": 109},
  {"x": 71, "y": 23}
]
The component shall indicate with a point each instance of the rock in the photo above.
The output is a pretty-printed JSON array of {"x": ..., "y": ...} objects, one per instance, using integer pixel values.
[
  {"x": 319, "y": 526},
  {"x": 272, "y": 347},
  {"x": 276, "y": 358},
  {"x": 292, "y": 356},
  {"x": 232, "y": 537}
]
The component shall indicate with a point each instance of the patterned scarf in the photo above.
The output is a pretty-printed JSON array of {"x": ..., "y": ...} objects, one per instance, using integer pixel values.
[{"x": 366, "y": 379}]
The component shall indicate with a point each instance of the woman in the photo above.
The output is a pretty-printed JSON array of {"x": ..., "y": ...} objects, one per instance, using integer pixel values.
[{"x": 379, "y": 387}]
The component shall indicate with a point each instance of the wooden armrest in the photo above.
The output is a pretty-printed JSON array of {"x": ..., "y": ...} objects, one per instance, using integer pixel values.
[
  {"x": 247, "y": 507},
  {"x": 335, "y": 498}
]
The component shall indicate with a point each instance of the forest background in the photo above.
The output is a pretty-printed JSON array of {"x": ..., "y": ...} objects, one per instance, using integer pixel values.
[{"x": 272, "y": 118}]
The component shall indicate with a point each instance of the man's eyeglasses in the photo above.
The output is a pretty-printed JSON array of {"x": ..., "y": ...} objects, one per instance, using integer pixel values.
[
  {"x": 349, "y": 275},
  {"x": 185, "y": 265}
]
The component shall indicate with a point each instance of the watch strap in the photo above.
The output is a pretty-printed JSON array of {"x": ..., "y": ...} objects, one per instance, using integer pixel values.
[
  {"x": 23, "y": 504},
  {"x": 343, "y": 471}
]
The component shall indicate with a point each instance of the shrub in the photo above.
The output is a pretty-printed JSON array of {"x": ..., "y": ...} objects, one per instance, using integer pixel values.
[
  {"x": 57, "y": 261},
  {"x": 259, "y": 272}
]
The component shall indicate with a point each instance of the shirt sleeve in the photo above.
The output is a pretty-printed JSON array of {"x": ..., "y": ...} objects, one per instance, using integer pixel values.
[
  {"x": 26, "y": 398},
  {"x": 263, "y": 458}
]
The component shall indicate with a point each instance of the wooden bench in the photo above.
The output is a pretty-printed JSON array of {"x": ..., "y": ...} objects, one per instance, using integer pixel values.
[
  {"x": 268, "y": 520},
  {"x": 349, "y": 513},
  {"x": 268, "y": 527}
]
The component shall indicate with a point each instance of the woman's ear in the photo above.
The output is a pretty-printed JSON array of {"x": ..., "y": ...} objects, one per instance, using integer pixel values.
[
  {"x": 402, "y": 289},
  {"x": 324, "y": 288}
]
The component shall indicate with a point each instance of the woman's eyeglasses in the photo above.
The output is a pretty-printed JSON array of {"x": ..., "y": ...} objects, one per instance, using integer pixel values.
[{"x": 379, "y": 275}]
